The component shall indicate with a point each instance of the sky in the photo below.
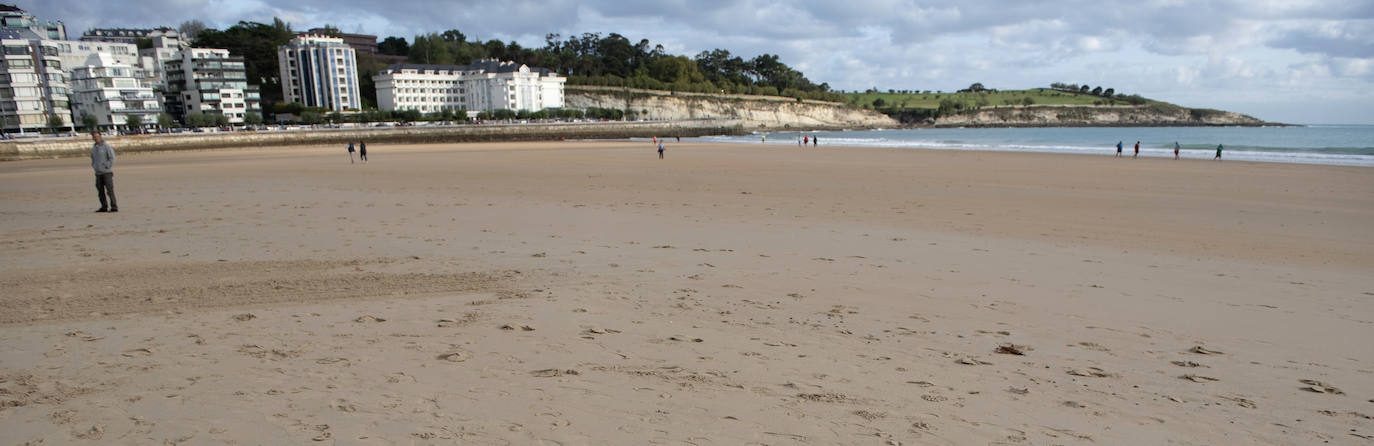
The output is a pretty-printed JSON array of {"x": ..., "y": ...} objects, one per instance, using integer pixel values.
[{"x": 1293, "y": 61}]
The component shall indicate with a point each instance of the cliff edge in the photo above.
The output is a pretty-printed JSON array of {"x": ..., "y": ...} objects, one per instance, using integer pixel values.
[
  {"x": 1147, "y": 115},
  {"x": 752, "y": 112}
]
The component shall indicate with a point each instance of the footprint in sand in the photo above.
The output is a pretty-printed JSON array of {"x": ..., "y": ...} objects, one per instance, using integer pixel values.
[
  {"x": 1205, "y": 351},
  {"x": 138, "y": 352},
  {"x": 455, "y": 356},
  {"x": 1186, "y": 364},
  {"x": 368, "y": 318},
  {"x": 1315, "y": 386},
  {"x": 552, "y": 373},
  {"x": 1198, "y": 378},
  {"x": 245, "y": 317},
  {"x": 1093, "y": 372}
]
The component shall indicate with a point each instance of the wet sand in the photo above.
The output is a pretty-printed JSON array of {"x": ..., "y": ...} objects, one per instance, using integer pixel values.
[{"x": 590, "y": 293}]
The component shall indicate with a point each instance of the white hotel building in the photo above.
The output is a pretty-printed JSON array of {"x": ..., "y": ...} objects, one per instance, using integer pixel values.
[
  {"x": 319, "y": 71},
  {"x": 485, "y": 85}
]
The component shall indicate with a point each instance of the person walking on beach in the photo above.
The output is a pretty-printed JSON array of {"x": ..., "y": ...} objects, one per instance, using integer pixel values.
[
  {"x": 362, "y": 150},
  {"x": 815, "y": 141},
  {"x": 1137, "y": 150},
  {"x": 350, "y": 152},
  {"x": 1218, "y": 157},
  {"x": 102, "y": 160},
  {"x": 1175, "y": 149},
  {"x": 1118, "y": 148},
  {"x": 763, "y": 138},
  {"x": 806, "y": 140},
  {"x": 660, "y": 150}
]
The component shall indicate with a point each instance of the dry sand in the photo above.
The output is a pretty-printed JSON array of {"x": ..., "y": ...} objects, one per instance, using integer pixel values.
[{"x": 589, "y": 293}]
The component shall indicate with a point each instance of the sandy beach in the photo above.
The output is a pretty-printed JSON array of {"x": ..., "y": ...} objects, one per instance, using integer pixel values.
[{"x": 590, "y": 293}]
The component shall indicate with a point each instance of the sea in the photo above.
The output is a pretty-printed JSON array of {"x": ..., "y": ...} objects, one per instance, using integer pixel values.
[{"x": 1349, "y": 145}]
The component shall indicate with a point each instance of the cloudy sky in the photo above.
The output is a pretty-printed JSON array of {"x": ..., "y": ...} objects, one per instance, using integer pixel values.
[{"x": 1299, "y": 61}]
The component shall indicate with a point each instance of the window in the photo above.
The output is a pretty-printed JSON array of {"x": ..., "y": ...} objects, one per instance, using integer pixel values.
[{"x": 16, "y": 50}]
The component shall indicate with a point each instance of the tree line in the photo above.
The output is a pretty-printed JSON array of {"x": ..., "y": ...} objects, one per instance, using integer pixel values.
[
  {"x": 1109, "y": 93},
  {"x": 615, "y": 60}
]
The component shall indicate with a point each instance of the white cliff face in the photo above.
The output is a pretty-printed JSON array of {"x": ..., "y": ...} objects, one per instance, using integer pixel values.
[
  {"x": 750, "y": 112},
  {"x": 1049, "y": 116}
]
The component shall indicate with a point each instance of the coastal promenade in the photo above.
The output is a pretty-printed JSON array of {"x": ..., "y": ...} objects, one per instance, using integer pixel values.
[{"x": 79, "y": 145}]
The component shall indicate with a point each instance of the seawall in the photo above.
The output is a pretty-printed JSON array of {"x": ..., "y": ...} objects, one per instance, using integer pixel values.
[{"x": 80, "y": 145}]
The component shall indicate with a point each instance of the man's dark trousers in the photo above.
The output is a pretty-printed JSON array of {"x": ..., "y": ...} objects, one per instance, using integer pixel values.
[{"x": 104, "y": 184}]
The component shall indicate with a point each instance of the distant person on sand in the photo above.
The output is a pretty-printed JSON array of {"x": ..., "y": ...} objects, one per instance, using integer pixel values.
[
  {"x": 660, "y": 150},
  {"x": 102, "y": 160},
  {"x": 815, "y": 141},
  {"x": 806, "y": 140},
  {"x": 1175, "y": 149},
  {"x": 1218, "y": 152},
  {"x": 362, "y": 150},
  {"x": 350, "y": 152},
  {"x": 1118, "y": 148},
  {"x": 1137, "y": 150},
  {"x": 679, "y": 139},
  {"x": 763, "y": 138}
]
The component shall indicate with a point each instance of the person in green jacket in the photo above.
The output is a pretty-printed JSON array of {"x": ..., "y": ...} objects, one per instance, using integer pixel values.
[{"x": 1218, "y": 152}]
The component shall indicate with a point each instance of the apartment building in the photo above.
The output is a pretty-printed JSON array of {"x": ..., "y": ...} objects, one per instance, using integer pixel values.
[
  {"x": 110, "y": 92},
  {"x": 18, "y": 19},
  {"x": 319, "y": 71},
  {"x": 209, "y": 81},
  {"x": 33, "y": 87},
  {"x": 485, "y": 85}
]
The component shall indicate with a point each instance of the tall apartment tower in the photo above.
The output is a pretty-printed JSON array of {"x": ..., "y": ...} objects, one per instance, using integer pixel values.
[
  {"x": 33, "y": 86},
  {"x": 209, "y": 81},
  {"x": 319, "y": 71}
]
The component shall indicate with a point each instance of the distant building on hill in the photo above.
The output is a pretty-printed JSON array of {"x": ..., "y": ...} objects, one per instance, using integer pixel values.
[
  {"x": 484, "y": 85},
  {"x": 320, "y": 71},
  {"x": 209, "y": 81},
  {"x": 109, "y": 91},
  {"x": 362, "y": 43},
  {"x": 129, "y": 35}
]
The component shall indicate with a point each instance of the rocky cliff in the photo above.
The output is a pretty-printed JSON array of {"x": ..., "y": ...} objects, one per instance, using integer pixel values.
[
  {"x": 1155, "y": 114},
  {"x": 752, "y": 112}
]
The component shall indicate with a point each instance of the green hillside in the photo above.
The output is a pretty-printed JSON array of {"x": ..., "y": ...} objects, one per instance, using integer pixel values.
[{"x": 968, "y": 99}]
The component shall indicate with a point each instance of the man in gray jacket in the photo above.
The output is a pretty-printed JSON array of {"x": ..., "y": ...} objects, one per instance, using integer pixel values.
[{"x": 102, "y": 160}]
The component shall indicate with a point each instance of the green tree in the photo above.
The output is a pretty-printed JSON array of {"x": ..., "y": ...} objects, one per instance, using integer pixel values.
[
  {"x": 309, "y": 117},
  {"x": 1097, "y": 91},
  {"x": 88, "y": 122},
  {"x": 977, "y": 87},
  {"x": 1027, "y": 101},
  {"x": 194, "y": 120},
  {"x": 252, "y": 118},
  {"x": 164, "y": 120},
  {"x": 394, "y": 46},
  {"x": 190, "y": 29},
  {"x": 430, "y": 49},
  {"x": 220, "y": 120},
  {"x": 55, "y": 122},
  {"x": 135, "y": 123}
]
